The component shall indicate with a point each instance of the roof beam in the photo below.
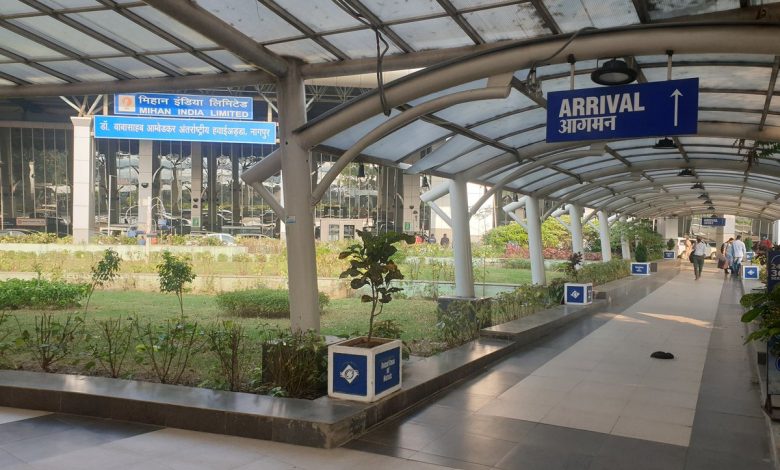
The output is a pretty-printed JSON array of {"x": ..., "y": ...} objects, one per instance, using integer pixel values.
[
  {"x": 770, "y": 92},
  {"x": 200, "y": 20},
  {"x": 458, "y": 18}
]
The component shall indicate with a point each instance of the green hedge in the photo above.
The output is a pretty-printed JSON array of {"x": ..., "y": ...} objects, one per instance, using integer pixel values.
[
  {"x": 263, "y": 303},
  {"x": 601, "y": 273},
  {"x": 40, "y": 293}
]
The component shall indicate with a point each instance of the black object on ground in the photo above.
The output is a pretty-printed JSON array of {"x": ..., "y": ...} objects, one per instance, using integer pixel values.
[{"x": 662, "y": 355}]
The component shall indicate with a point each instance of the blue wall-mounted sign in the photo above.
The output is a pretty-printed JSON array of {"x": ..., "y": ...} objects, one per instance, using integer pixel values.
[
  {"x": 713, "y": 221},
  {"x": 387, "y": 370},
  {"x": 643, "y": 110},
  {"x": 183, "y": 106},
  {"x": 192, "y": 130}
]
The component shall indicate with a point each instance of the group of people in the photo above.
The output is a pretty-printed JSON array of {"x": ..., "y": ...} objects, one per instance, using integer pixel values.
[
  {"x": 423, "y": 238},
  {"x": 732, "y": 252}
]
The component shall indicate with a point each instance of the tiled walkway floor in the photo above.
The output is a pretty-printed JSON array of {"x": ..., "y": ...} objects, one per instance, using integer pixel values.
[{"x": 587, "y": 397}]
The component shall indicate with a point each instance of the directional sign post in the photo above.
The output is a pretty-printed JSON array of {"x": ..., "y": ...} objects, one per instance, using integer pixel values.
[
  {"x": 644, "y": 110},
  {"x": 713, "y": 221}
]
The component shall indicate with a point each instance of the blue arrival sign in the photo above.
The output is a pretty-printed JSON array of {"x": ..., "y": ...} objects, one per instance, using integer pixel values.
[
  {"x": 648, "y": 109},
  {"x": 183, "y": 106},
  {"x": 193, "y": 130},
  {"x": 713, "y": 221}
]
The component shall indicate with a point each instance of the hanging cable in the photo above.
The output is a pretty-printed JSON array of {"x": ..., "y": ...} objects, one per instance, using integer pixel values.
[
  {"x": 380, "y": 53},
  {"x": 531, "y": 81}
]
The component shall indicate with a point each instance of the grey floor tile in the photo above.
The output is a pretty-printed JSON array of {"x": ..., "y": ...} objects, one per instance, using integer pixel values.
[
  {"x": 529, "y": 457},
  {"x": 405, "y": 435},
  {"x": 374, "y": 448},
  {"x": 636, "y": 454},
  {"x": 29, "y": 428},
  {"x": 472, "y": 448},
  {"x": 447, "y": 462},
  {"x": 492, "y": 382},
  {"x": 709, "y": 459},
  {"x": 574, "y": 440},
  {"x": 514, "y": 430}
]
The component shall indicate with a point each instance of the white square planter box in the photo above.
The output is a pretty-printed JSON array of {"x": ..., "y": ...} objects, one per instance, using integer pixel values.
[
  {"x": 749, "y": 272},
  {"x": 640, "y": 269},
  {"x": 670, "y": 254},
  {"x": 364, "y": 374},
  {"x": 577, "y": 294}
]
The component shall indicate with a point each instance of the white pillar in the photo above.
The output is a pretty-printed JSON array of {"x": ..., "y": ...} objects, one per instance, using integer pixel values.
[
  {"x": 625, "y": 246},
  {"x": 461, "y": 238},
  {"x": 575, "y": 227},
  {"x": 776, "y": 232},
  {"x": 145, "y": 166},
  {"x": 196, "y": 190},
  {"x": 301, "y": 258},
  {"x": 534, "y": 227},
  {"x": 606, "y": 253},
  {"x": 83, "y": 180}
]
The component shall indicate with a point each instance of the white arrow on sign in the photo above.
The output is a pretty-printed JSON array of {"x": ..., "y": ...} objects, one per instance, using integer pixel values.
[{"x": 676, "y": 95}]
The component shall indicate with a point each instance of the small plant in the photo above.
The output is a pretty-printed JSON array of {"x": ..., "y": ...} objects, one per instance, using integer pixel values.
[
  {"x": 228, "y": 342},
  {"x": 641, "y": 253},
  {"x": 573, "y": 265},
  {"x": 106, "y": 270},
  {"x": 670, "y": 244},
  {"x": 51, "y": 339},
  {"x": 371, "y": 265},
  {"x": 174, "y": 272},
  {"x": 765, "y": 307},
  {"x": 168, "y": 347},
  {"x": 462, "y": 322},
  {"x": 109, "y": 347},
  {"x": 295, "y": 364}
]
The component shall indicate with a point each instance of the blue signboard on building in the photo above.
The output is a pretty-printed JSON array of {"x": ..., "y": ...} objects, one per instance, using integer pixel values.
[
  {"x": 713, "y": 221},
  {"x": 643, "y": 110},
  {"x": 183, "y": 106},
  {"x": 192, "y": 130}
]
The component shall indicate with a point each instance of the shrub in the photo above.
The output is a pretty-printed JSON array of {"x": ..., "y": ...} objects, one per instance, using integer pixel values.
[
  {"x": 601, "y": 273},
  {"x": 106, "y": 270},
  {"x": 228, "y": 342},
  {"x": 462, "y": 321},
  {"x": 174, "y": 272},
  {"x": 295, "y": 364},
  {"x": 51, "y": 339},
  {"x": 40, "y": 293},
  {"x": 110, "y": 345},
  {"x": 262, "y": 303},
  {"x": 670, "y": 244},
  {"x": 641, "y": 253},
  {"x": 167, "y": 348}
]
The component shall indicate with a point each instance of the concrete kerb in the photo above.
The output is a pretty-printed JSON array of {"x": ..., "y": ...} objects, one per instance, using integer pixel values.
[{"x": 324, "y": 422}]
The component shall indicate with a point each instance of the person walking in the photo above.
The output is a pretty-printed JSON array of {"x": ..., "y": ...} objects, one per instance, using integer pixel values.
[
  {"x": 688, "y": 248},
  {"x": 739, "y": 254},
  {"x": 699, "y": 252},
  {"x": 728, "y": 250},
  {"x": 722, "y": 260},
  {"x": 445, "y": 242}
]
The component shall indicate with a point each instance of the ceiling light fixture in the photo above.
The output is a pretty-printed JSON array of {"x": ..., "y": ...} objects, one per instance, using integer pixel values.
[
  {"x": 665, "y": 143},
  {"x": 361, "y": 171},
  {"x": 613, "y": 72},
  {"x": 703, "y": 196},
  {"x": 711, "y": 208},
  {"x": 686, "y": 172},
  {"x": 697, "y": 186}
]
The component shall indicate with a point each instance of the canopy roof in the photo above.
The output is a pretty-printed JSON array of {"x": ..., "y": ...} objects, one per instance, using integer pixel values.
[{"x": 485, "y": 123}]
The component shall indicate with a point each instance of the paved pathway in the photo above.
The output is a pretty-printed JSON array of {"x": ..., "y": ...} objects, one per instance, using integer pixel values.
[{"x": 588, "y": 397}]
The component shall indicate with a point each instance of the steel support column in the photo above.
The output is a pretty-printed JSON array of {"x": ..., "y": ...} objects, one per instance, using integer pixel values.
[
  {"x": 606, "y": 250},
  {"x": 625, "y": 245},
  {"x": 301, "y": 257},
  {"x": 196, "y": 187},
  {"x": 575, "y": 227},
  {"x": 83, "y": 180},
  {"x": 145, "y": 183},
  {"x": 461, "y": 238},
  {"x": 534, "y": 227}
]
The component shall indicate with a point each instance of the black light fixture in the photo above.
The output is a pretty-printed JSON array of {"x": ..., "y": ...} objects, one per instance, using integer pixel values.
[
  {"x": 361, "y": 171},
  {"x": 425, "y": 184},
  {"x": 686, "y": 172},
  {"x": 697, "y": 186},
  {"x": 665, "y": 143},
  {"x": 708, "y": 202},
  {"x": 711, "y": 208},
  {"x": 613, "y": 72},
  {"x": 703, "y": 196},
  {"x": 714, "y": 215}
]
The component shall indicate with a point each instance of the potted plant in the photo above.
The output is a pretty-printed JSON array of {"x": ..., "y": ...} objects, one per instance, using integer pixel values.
[
  {"x": 576, "y": 293},
  {"x": 670, "y": 253},
  {"x": 641, "y": 267},
  {"x": 368, "y": 368},
  {"x": 764, "y": 307}
]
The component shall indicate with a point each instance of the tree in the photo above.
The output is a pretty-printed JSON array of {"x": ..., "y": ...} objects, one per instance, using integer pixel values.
[{"x": 174, "y": 272}]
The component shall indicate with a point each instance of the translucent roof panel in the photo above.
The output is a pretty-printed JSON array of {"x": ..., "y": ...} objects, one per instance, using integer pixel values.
[
  {"x": 546, "y": 181},
  {"x": 14, "y": 7},
  {"x": 460, "y": 4},
  {"x": 773, "y": 120},
  {"x": 349, "y": 137},
  {"x": 389, "y": 10},
  {"x": 480, "y": 155},
  {"x": 775, "y": 104},
  {"x": 661, "y": 9},
  {"x": 305, "y": 49},
  {"x": 124, "y": 31},
  {"x": 29, "y": 74},
  {"x": 26, "y": 47},
  {"x": 251, "y": 18},
  {"x": 713, "y": 58},
  {"x": 584, "y": 161},
  {"x": 437, "y": 33},
  {"x": 320, "y": 16},
  {"x": 58, "y": 32},
  {"x": 581, "y": 81},
  {"x": 359, "y": 44},
  {"x": 452, "y": 148},
  {"x": 721, "y": 77},
  {"x": 731, "y": 100},
  {"x": 70, "y": 3},
  {"x": 511, "y": 22},
  {"x": 730, "y": 116},
  {"x": 509, "y": 124},
  {"x": 526, "y": 138},
  {"x": 467, "y": 114},
  {"x": 79, "y": 71},
  {"x": 706, "y": 141},
  {"x": 231, "y": 60},
  {"x": 132, "y": 66},
  {"x": 401, "y": 143},
  {"x": 175, "y": 28},
  {"x": 186, "y": 63},
  {"x": 448, "y": 91},
  {"x": 572, "y": 15}
]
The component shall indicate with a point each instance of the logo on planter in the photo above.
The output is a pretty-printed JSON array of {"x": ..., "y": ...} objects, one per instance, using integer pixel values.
[
  {"x": 350, "y": 370},
  {"x": 387, "y": 370},
  {"x": 639, "y": 268},
  {"x": 575, "y": 294},
  {"x": 668, "y": 254},
  {"x": 349, "y": 374}
]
